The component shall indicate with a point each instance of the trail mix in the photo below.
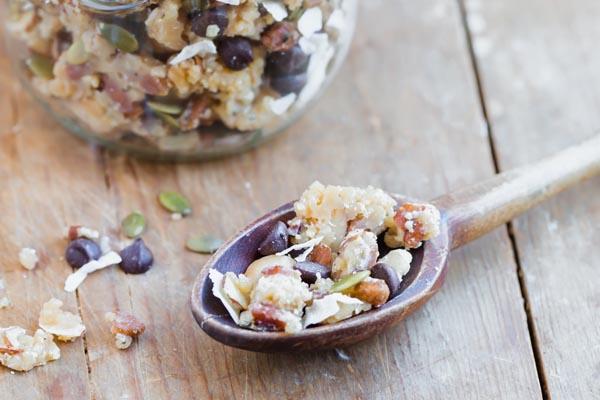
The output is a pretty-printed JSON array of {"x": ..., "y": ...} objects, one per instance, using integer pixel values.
[
  {"x": 157, "y": 68},
  {"x": 324, "y": 265}
]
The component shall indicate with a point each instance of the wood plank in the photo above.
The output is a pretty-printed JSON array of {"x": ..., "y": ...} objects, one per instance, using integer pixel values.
[
  {"x": 539, "y": 68},
  {"x": 36, "y": 201},
  {"x": 409, "y": 122}
]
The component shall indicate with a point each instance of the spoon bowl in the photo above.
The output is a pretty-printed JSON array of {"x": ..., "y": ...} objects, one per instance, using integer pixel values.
[
  {"x": 426, "y": 275},
  {"x": 466, "y": 215}
]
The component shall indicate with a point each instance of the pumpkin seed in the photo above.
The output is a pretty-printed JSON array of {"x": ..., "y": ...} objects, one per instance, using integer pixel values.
[
  {"x": 174, "y": 202},
  {"x": 133, "y": 225},
  {"x": 41, "y": 66},
  {"x": 204, "y": 244},
  {"x": 349, "y": 281},
  {"x": 172, "y": 109},
  {"x": 76, "y": 54},
  {"x": 168, "y": 119},
  {"x": 119, "y": 37}
]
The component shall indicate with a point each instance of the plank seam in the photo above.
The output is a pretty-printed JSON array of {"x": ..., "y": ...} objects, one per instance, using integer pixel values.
[{"x": 537, "y": 354}]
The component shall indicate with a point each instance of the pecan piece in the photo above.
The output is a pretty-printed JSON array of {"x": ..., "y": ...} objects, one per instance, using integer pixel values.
[
  {"x": 321, "y": 254},
  {"x": 280, "y": 36}
]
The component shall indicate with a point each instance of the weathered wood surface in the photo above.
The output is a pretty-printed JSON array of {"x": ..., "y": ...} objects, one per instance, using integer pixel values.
[
  {"x": 540, "y": 78},
  {"x": 404, "y": 114}
]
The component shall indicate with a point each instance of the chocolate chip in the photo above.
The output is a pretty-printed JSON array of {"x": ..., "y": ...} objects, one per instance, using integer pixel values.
[
  {"x": 310, "y": 270},
  {"x": 235, "y": 52},
  {"x": 389, "y": 275},
  {"x": 211, "y": 16},
  {"x": 137, "y": 258},
  {"x": 81, "y": 251},
  {"x": 275, "y": 241}
]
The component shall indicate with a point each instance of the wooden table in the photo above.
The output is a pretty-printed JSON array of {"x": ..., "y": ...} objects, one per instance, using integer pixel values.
[{"x": 436, "y": 94}]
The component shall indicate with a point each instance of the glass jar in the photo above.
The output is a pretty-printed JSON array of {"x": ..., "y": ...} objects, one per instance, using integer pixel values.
[{"x": 177, "y": 79}]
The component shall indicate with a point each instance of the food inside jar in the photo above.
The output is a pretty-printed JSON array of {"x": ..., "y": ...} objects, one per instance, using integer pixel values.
[
  {"x": 326, "y": 264},
  {"x": 157, "y": 69}
]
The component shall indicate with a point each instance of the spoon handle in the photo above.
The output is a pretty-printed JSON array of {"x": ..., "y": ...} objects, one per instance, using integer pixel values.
[{"x": 475, "y": 210}]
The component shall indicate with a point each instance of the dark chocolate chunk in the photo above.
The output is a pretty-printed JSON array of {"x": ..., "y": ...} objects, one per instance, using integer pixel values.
[
  {"x": 389, "y": 275},
  {"x": 81, "y": 251},
  {"x": 137, "y": 258},
  {"x": 275, "y": 241},
  {"x": 310, "y": 270}
]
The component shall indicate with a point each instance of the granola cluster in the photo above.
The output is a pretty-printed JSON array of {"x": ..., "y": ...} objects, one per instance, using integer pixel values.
[
  {"x": 160, "y": 68},
  {"x": 324, "y": 265}
]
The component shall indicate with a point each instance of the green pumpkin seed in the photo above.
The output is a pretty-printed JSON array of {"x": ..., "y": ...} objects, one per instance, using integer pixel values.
[
  {"x": 119, "y": 37},
  {"x": 133, "y": 225},
  {"x": 76, "y": 54},
  {"x": 41, "y": 66},
  {"x": 172, "y": 109},
  {"x": 174, "y": 202},
  {"x": 349, "y": 281},
  {"x": 204, "y": 244},
  {"x": 168, "y": 119}
]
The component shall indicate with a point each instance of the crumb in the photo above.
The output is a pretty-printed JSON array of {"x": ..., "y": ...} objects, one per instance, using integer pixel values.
[
  {"x": 21, "y": 352},
  {"x": 65, "y": 325},
  {"x": 28, "y": 258}
]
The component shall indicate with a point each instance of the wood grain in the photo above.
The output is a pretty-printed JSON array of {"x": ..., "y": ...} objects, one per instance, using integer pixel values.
[
  {"x": 539, "y": 69},
  {"x": 403, "y": 115}
]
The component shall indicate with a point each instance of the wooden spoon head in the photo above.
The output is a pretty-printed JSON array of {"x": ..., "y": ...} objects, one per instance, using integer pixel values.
[{"x": 425, "y": 278}]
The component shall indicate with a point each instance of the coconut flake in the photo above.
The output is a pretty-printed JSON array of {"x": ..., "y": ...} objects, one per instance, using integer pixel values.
[
  {"x": 76, "y": 278},
  {"x": 336, "y": 21},
  {"x": 212, "y": 30},
  {"x": 399, "y": 260},
  {"x": 4, "y": 300},
  {"x": 202, "y": 48},
  {"x": 231, "y": 2},
  {"x": 334, "y": 305},
  {"x": 28, "y": 258},
  {"x": 276, "y": 9},
  {"x": 217, "y": 279},
  {"x": 309, "y": 246},
  {"x": 281, "y": 105},
  {"x": 323, "y": 52},
  {"x": 310, "y": 22}
]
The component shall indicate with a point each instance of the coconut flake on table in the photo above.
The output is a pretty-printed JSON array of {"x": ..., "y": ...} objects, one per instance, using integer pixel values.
[
  {"x": 202, "y": 48},
  {"x": 217, "y": 279},
  {"x": 310, "y": 22},
  {"x": 76, "y": 278},
  {"x": 336, "y": 305},
  {"x": 309, "y": 246},
  {"x": 281, "y": 105},
  {"x": 28, "y": 258},
  {"x": 276, "y": 9}
]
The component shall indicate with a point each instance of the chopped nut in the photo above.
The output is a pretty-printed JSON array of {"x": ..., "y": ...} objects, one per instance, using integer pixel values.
[
  {"x": 358, "y": 251},
  {"x": 372, "y": 291},
  {"x": 28, "y": 258},
  {"x": 399, "y": 260},
  {"x": 75, "y": 231},
  {"x": 65, "y": 325},
  {"x": 321, "y": 254},
  {"x": 412, "y": 224},
  {"x": 21, "y": 352},
  {"x": 280, "y": 36},
  {"x": 124, "y": 328}
]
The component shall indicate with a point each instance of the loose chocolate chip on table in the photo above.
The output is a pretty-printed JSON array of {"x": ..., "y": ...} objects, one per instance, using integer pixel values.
[
  {"x": 81, "y": 251},
  {"x": 137, "y": 258},
  {"x": 235, "y": 52},
  {"x": 211, "y": 16},
  {"x": 309, "y": 271},
  {"x": 275, "y": 241},
  {"x": 389, "y": 275}
]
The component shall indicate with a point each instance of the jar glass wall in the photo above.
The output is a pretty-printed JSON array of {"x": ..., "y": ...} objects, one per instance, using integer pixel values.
[{"x": 177, "y": 79}]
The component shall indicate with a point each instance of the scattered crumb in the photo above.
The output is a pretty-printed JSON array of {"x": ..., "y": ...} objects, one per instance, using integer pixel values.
[
  {"x": 75, "y": 231},
  {"x": 4, "y": 300},
  {"x": 21, "y": 352},
  {"x": 176, "y": 216},
  {"x": 66, "y": 325},
  {"x": 28, "y": 258},
  {"x": 124, "y": 328}
]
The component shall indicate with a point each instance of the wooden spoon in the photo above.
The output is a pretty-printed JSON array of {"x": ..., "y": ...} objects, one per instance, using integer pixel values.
[{"x": 467, "y": 214}]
